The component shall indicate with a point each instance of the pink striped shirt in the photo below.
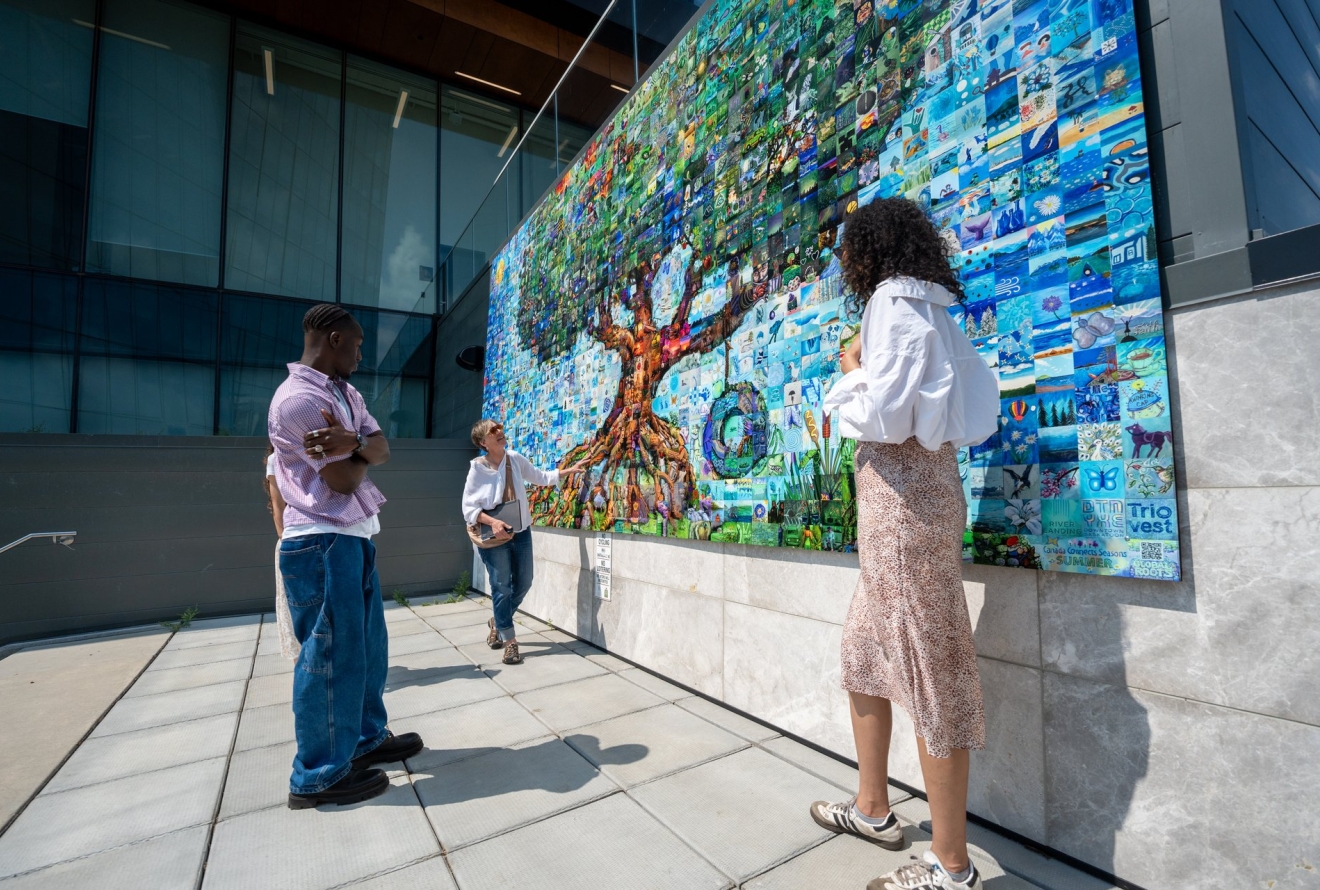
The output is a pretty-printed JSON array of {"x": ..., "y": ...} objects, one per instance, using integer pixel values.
[{"x": 295, "y": 410}]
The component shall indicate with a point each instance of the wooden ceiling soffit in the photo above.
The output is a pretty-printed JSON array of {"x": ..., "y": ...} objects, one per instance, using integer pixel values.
[{"x": 531, "y": 32}]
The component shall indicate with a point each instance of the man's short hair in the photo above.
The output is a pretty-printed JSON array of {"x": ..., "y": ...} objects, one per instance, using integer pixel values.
[
  {"x": 327, "y": 317},
  {"x": 482, "y": 428}
]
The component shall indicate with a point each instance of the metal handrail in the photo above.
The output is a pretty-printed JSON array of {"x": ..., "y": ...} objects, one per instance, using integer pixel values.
[{"x": 65, "y": 538}]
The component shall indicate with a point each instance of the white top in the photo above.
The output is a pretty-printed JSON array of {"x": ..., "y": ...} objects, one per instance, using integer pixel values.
[
  {"x": 485, "y": 486},
  {"x": 920, "y": 375},
  {"x": 364, "y": 529}
]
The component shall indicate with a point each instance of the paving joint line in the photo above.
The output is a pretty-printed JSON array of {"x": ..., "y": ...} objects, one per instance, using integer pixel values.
[
  {"x": 91, "y": 729},
  {"x": 90, "y": 854},
  {"x": 229, "y": 760},
  {"x": 145, "y": 772}
]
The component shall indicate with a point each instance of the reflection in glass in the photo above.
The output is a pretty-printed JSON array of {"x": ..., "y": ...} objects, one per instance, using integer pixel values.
[
  {"x": 283, "y": 167},
  {"x": 148, "y": 360},
  {"x": 45, "y": 77},
  {"x": 158, "y": 157},
  {"x": 259, "y": 337},
  {"x": 389, "y": 188},
  {"x": 476, "y": 137},
  {"x": 37, "y": 317}
]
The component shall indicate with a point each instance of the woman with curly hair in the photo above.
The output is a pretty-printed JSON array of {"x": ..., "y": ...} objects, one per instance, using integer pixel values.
[{"x": 912, "y": 392}]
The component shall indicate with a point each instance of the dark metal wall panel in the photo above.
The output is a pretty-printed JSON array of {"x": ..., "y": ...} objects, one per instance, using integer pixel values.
[
  {"x": 169, "y": 522},
  {"x": 458, "y": 391}
]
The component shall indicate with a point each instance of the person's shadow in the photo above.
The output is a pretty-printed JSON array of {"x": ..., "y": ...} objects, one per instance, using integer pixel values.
[{"x": 548, "y": 766}]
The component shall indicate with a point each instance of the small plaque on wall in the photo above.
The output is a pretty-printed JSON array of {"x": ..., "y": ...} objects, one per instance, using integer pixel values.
[{"x": 604, "y": 556}]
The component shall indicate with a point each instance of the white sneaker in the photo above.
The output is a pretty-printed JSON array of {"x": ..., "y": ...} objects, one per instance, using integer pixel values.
[
  {"x": 839, "y": 818},
  {"x": 926, "y": 874}
]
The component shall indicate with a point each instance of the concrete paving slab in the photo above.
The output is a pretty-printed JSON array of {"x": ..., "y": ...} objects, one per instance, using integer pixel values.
[
  {"x": 531, "y": 623},
  {"x": 426, "y": 610},
  {"x": 111, "y": 757},
  {"x": 265, "y": 665},
  {"x": 431, "y": 874},
  {"x": 321, "y": 848},
  {"x": 202, "y": 625},
  {"x": 667, "y": 738},
  {"x": 451, "y": 620},
  {"x": 542, "y": 669},
  {"x": 530, "y": 645},
  {"x": 841, "y": 775},
  {"x": 99, "y": 817},
  {"x": 414, "y": 664},
  {"x": 571, "y": 705},
  {"x": 466, "y": 634},
  {"x": 269, "y": 644},
  {"x": 154, "y": 681},
  {"x": 406, "y": 628},
  {"x": 258, "y": 778},
  {"x": 260, "y": 727},
  {"x": 419, "y": 642},
  {"x": 161, "y": 863},
  {"x": 605, "y": 660},
  {"x": 653, "y": 684},
  {"x": 456, "y": 733},
  {"x": 555, "y": 635},
  {"x": 275, "y": 689},
  {"x": 988, "y": 847},
  {"x": 746, "y": 812},
  {"x": 146, "y": 711},
  {"x": 426, "y": 690},
  {"x": 192, "y": 637},
  {"x": 726, "y": 719},
  {"x": 396, "y": 612},
  {"x": 611, "y": 844},
  {"x": 175, "y": 658},
  {"x": 470, "y": 800}
]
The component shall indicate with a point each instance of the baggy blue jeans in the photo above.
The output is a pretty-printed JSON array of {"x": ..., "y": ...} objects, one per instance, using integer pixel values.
[
  {"x": 509, "y": 568},
  {"x": 339, "y": 679}
]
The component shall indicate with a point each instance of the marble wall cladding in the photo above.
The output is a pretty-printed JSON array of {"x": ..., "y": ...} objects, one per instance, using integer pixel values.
[
  {"x": 693, "y": 566},
  {"x": 1172, "y": 793},
  {"x": 1237, "y": 369},
  {"x": 1004, "y": 608},
  {"x": 557, "y": 595},
  {"x": 796, "y": 582},
  {"x": 676, "y": 633},
  {"x": 1007, "y": 783},
  {"x": 785, "y": 669},
  {"x": 563, "y": 546},
  {"x": 1242, "y": 631}
]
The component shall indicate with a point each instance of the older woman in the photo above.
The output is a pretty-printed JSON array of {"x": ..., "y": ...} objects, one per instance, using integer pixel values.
[
  {"x": 913, "y": 391},
  {"x": 508, "y": 565}
]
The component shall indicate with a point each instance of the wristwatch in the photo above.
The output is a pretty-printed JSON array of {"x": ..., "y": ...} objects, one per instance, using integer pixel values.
[{"x": 360, "y": 442}]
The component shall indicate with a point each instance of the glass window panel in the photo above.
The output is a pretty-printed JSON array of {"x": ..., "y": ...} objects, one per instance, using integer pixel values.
[
  {"x": 37, "y": 318},
  {"x": 158, "y": 157},
  {"x": 476, "y": 136},
  {"x": 543, "y": 146},
  {"x": 389, "y": 188},
  {"x": 393, "y": 376},
  {"x": 283, "y": 167},
  {"x": 45, "y": 78},
  {"x": 148, "y": 360},
  {"x": 258, "y": 339}
]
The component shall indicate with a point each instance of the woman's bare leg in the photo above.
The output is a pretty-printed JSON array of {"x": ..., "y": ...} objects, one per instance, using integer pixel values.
[
  {"x": 872, "y": 723},
  {"x": 946, "y": 788}
]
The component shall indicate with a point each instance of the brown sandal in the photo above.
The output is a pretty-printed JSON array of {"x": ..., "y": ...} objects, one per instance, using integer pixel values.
[
  {"x": 493, "y": 638},
  {"x": 511, "y": 654}
]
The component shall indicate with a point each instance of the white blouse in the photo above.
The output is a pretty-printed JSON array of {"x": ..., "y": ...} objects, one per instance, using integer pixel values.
[
  {"x": 485, "y": 486},
  {"x": 920, "y": 375}
]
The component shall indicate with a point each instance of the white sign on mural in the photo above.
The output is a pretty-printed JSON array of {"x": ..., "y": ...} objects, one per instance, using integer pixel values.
[{"x": 604, "y": 554}]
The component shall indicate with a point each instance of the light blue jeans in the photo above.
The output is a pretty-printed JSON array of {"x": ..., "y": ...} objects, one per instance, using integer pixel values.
[
  {"x": 339, "y": 678},
  {"x": 509, "y": 568}
]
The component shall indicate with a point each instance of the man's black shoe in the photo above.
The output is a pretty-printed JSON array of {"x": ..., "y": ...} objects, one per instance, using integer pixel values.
[
  {"x": 393, "y": 749},
  {"x": 358, "y": 785}
]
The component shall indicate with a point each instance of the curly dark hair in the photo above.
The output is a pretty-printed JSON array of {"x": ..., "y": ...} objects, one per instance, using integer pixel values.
[{"x": 888, "y": 238}]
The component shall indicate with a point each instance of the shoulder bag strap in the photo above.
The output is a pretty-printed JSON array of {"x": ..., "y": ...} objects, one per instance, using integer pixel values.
[{"x": 509, "y": 493}]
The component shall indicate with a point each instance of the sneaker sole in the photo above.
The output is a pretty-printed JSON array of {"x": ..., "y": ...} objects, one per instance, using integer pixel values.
[
  {"x": 308, "y": 803},
  {"x": 879, "y": 842}
]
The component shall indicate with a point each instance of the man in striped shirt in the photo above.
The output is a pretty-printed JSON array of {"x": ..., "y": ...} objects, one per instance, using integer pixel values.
[{"x": 325, "y": 440}]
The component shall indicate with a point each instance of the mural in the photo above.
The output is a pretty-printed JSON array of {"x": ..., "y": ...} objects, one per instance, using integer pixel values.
[{"x": 672, "y": 312}]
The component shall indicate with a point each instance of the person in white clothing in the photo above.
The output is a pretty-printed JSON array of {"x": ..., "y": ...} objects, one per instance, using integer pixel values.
[
  {"x": 913, "y": 391},
  {"x": 289, "y": 645},
  {"x": 509, "y": 565}
]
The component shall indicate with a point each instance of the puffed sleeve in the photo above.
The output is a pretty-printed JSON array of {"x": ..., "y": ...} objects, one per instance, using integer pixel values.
[
  {"x": 472, "y": 505},
  {"x": 881, "y": 400},
  {"x": 531, "y": 474}
]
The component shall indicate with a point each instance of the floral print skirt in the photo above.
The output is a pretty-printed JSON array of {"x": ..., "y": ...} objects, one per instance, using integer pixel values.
[{"x": 908, "y": 637}]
